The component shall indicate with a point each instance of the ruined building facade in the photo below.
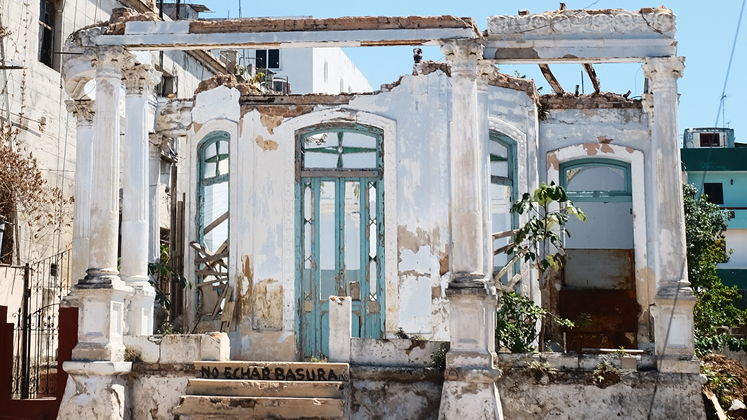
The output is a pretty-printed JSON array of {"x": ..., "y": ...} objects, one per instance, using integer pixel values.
[{"x": 321, "y": 225}]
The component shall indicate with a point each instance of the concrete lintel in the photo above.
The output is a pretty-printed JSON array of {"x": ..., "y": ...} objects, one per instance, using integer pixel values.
[
  {"x": 158, "y": 40},
  {"x": 578, "y": 50}
]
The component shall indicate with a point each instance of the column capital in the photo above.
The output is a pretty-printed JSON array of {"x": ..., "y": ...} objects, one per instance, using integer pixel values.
[
  {"x": 486, "y": 71},
  {"x": 139, "y": 78},
  {"x": 109, "y": 61},
  {"x": 462, "y": 49},
  {"x": 663, "y": 71},
  {"x": 83, "y": 110}
]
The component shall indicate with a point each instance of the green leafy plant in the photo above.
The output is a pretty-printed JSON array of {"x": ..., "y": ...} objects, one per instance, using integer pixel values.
[
  {"x": 162, "y": 270},
  {"x": 723, "y": 386},
  {"x": 167, "y": 329},
  {"x": 539, "y": 240},
  {"x": 401, "y": 334},
  {"x": 516, "y": 323},
  {"x": 705, "y": 224},
  {"x": 583, "y": 321},
  {"x": 438, "y": 357},
  {"x": 604, "y": 373},
  {"x": 315, "y": 359},
  {"x": 538, "y": 369}
]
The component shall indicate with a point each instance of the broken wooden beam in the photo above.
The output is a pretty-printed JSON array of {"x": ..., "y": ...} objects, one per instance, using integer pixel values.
[
  {"x": 592, "y": 75},
  {"x": 554, "y": 84}
]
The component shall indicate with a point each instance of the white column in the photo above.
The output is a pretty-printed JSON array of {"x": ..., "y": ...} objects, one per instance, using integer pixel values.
[
  {"x": 102, "y": 293},
  {"x": 485, "y": 72},
  {"x": 467, "y": 240},
  {"x": 83, "y": 111},
  {"x": 674, "y": 301},
  {"x": 139, "y": 80},
  {"x": 154, "y": 188},
  {"x": 469, "y": 390}
]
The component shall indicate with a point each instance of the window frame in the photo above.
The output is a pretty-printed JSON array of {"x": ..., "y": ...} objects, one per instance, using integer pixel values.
[
  {"x": 47, "y": 29},
  {"x": 202, "y": 181},
  {"x": 598, "y": 196},
  {"x": 377, "y": 172},
  {"x": 712, "y": 199}
]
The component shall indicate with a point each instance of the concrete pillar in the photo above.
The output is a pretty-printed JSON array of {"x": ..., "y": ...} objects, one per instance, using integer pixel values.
[
  {"x": 469, "y": 390},
  {"x": 102, "y": 294},
  {"x": 340, "y": 328},
  {"x": 485, "y": 72},
  {"x": 154, "y": 186},
  {"x": 139, "y": 80},
  {"x": 674, "y": 301},
  {"x": 83, "y": 111}
]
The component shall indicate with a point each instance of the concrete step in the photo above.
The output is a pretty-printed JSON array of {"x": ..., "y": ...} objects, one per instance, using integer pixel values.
[
  {"x": 273, "y": 371},
  {"x": 244, "y": 408},
  {"x": 243, "y": 388}
]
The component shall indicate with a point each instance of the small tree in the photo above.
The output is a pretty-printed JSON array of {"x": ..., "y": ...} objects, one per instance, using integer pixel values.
[
  {"x": 539, "y": 240},
  {"x": 25, "y": 195},
  {"x": 705, "y": 224}
]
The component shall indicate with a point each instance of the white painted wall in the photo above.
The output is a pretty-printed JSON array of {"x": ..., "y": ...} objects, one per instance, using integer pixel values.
[{"x": 305, "y": 70}]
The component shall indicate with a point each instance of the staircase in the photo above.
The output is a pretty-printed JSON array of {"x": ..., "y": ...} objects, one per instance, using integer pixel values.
[{"x": 265, "y": 390}]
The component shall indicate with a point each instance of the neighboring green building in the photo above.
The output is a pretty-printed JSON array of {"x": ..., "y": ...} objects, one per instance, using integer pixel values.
[{"x": 718, "y": 167}]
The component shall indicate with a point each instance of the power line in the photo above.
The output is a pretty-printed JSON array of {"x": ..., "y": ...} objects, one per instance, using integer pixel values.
[{"x": 728, "y": 68}]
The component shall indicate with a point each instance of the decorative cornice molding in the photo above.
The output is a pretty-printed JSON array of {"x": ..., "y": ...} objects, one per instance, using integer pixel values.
[
  {"x": 608, "y": 23},
  {"x": 462, "y": 49},
  {"x": 663, "y": 71},
  {"x": 83, "y": 110},
  {"x": 109, "y": 60},
  {"x": 139, "y": 78}
]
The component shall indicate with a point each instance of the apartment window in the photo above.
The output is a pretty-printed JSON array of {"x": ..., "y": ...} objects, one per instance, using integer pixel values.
[
  {"x": 268, "y": 59},
  {"x": 46, "y": 32},
  {"x": 342, "y": 85},
  {"x": 326, "y": 72},
  {"x": 710, "y": 140},
  {"x": 714, "y": 191}
]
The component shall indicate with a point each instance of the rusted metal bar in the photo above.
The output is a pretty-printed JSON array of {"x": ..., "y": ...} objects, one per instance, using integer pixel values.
[
  {"x": 499, "y": 235},
  {"x": 592, "y": 75},
  {"x": 222, "y": 218},
  {"x": 554, "y": 84}
]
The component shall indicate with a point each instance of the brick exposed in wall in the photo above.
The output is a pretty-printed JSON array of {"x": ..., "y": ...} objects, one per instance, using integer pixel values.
[{"x": 606, "y": 100}]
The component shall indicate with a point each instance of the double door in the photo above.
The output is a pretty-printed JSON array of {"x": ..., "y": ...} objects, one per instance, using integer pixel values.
[{"x": 340, "y": 249}]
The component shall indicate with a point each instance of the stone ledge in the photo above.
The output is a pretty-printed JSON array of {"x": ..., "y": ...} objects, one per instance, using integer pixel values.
[
  {"x": 179, "y": 348},
  {"x": 395, "y": 374}
]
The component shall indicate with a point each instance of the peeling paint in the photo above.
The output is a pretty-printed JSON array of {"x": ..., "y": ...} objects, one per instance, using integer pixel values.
[
  {"x": 270, "y": 122},
  {"x": 412, "y": 241},
  {"x": 268, "y": 305},
  {"x": 552, "y": 161},
  {"x": 266, "y": 144},
  {"x": 604, "y": 139},
  {"x": 629, "y": 149},
  {"x": 591, "y": 149},
  {"x": 245, "y": 298},
  {"x": 606, "y": 148}
]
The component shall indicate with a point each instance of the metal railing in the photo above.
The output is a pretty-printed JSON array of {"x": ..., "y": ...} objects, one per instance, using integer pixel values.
[{"x": 36, "y": 336}]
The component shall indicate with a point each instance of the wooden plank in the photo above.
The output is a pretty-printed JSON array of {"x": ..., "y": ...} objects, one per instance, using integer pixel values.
[
  {"x": 505, "y": 234},
  {"x": 592, "y": 75},
  {"x": 554, "y": 84},
  {"x": 210, "y": 273},
  {"x": 497, "y": 276},
  {"x": 222, "y": 218},
  {"x": 504, "y": 248},
  {"x": 211, "y": 258}
]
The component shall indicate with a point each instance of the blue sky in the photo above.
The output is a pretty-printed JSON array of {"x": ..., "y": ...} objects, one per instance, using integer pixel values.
[{"x": 705, "y": 33}]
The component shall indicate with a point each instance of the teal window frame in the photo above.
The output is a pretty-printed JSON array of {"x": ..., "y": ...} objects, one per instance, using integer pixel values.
[
  {"x": 204, "y": 180},
  {"x": 598, "y": 196},
  {"x": 510, "y": 181}
]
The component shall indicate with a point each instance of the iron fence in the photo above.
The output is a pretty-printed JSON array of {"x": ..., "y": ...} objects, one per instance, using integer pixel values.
[{"x": 36, "y": 336}]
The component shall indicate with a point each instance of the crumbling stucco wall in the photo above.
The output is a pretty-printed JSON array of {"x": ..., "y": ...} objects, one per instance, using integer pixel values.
[
  {"x": 394, "y": 393},
  {"x": 573, "y": 396}
]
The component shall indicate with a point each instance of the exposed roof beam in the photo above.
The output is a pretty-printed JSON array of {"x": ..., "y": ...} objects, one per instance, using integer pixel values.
[
  {"x": 290, "y": 33},
  {"x": 554, "y": 84},
  {"x": 592, "y": 75}
]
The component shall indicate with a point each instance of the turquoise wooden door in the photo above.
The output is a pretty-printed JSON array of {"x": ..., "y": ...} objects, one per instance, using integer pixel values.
[{"x": 339, "y": 240}]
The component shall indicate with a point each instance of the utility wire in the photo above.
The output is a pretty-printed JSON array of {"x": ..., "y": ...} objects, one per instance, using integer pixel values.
[{"x": 728, "y": 68}]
